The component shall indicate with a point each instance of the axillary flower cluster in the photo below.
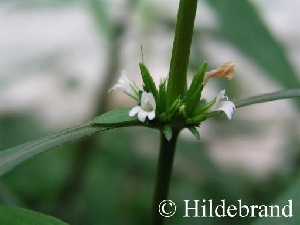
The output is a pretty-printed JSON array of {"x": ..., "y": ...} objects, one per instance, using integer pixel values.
[{"x": 186, "y": 111}]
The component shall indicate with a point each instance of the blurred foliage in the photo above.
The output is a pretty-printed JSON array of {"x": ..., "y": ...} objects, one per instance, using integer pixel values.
[
  {"x": 118, "y": 183},
  {"x": 241, "y": 25},
  {"x": 16, "y": 216},
  {"x": 17, "y": 129}
]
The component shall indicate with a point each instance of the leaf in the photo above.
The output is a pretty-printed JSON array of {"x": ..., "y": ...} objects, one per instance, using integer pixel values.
[
  {"x": 149, "y": 84},
  {"x": 162, "y": 96},
  {"x": 197, "y": 81},
  {"x": 277, "y": 95},
  {"x": 174, "y": 107},
  {"x": 117, "y": 117},
  {"x": 168, "y": 132},
  {"x": 18, "y": 216},
  {"x": 194, "y": 93},
  {"x": 12, "y": 157},
  {"x": 291, "y": 194},
  {"x": 195, "y": 132}
]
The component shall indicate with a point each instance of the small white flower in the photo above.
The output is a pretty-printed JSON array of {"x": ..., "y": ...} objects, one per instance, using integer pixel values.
[
  {"x": 147, "y": 108},
  {"x": 127, "y": 86},
  {"x": 222, "y": 104}
]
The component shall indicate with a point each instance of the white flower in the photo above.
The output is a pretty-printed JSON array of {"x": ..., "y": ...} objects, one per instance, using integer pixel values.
[
  {"x": 127, "y": 86},
  {"x": 222, "y": 104},
  {"x": 147, "y": 108}
]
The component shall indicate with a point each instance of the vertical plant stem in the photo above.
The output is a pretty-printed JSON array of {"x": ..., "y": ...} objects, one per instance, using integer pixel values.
[
  {"x": 181, "y": 50},
  {"x": 177, "y": 86},
  {"x": 163, "y": 176}
]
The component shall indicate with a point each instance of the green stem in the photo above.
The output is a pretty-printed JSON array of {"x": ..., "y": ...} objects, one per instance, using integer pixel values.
[
  {"x": 177, "y": 86},
  {"x": 181, "y": 50},
  {"x": 293, "y": 93},
  {"x": 164, "y": 171}
]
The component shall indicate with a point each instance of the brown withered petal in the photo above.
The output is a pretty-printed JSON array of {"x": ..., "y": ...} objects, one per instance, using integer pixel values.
[{"x": 225, "y": 70}]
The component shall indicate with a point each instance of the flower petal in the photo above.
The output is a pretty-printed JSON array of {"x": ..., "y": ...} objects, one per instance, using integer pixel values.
[
  {"x": 222, "y": 104},
  {"x": 148, "y": 102},
  {"x": 225, "y": 70},
  {"x": 127, "y": 86},
  {"x": 151, "y": 115},
  {"x": 124, "y": 77},
  {"x": 227, "y": 107},
  {"x": 113, "y": 88},
  {"x": 221, "y": 96},
  {"x": 135, "y": 110},
  {"x": 147, "y": 108},
  {"x": 152, "y": 101},
  {"x": 142, "y": 115}
]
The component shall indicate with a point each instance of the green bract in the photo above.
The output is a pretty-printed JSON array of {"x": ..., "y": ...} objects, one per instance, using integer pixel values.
[
  {"x": 193, "y": 95},
  {"x": 167, "y": 130},
  {"x": 195, "y": 132},
  {"x": 149, "y": 85},
  {"x": 162, "y": 95}
]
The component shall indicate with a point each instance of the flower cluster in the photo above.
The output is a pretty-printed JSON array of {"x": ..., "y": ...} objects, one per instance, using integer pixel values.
[{"x": 151, "y": 102}]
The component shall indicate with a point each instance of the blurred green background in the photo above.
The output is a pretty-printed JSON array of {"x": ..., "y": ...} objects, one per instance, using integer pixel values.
[{"x": 58, "y": 59}]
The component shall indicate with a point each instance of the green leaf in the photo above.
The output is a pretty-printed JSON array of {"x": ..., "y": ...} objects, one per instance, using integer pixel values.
[
  {"x": 162, "y": 96},
  {"x": 18, "y": 216},
  {"x": 149, "y": 85},
  {"x": 195, "y": 132},
  {"x": 197, "y": 81},
  {"x": 174, "y": 107},
  {"x": 291, "y": 194},
  {"x": 194, "y": 93},
  {"x": 293, "y": 93},
  {"x": 168, "y": 132},
  {"x": 12, "y": 157},
  {"x": 202, "y": 107},
  {"x": 117, "y": 117},
  {"x": 196, "y": 120}
]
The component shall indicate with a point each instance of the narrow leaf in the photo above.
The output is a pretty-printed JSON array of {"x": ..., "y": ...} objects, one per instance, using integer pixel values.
[
  {"x": 174, "y": 107},
  {"x": 194, "y": 93},
  {"x": 293, "y": 93},
  {"x": 196, "y": 82},
  {"x": 162, "y": 96},
  {"x": 117, "y": 117},
  {"x": 193, "y": 102},
  {"x": 149, "y": 84},
  {"x": 12, "y": 157},
  {"x": 201, "y": 70},
  {"x": 18, "y": 216},
  {"x": 195, "y": 132},
  {"x": 167, "y": 130}
]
